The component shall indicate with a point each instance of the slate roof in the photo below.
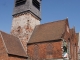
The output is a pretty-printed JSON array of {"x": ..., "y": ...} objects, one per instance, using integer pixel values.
[
  {"x": 13, "y": 45},
  {"x": 48, "y": 32}
]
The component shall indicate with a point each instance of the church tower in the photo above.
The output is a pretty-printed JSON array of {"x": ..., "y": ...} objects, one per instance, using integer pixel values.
[{"x": 26, "y": 16}]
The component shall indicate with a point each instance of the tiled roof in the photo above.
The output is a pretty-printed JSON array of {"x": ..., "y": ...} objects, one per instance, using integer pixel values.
[
  {"x": 48, "y": 32},
  {"x": 13, "y": 45}
]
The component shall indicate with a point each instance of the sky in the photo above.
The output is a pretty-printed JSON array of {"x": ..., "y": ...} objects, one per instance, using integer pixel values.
[{"x": 51, "y": 10}]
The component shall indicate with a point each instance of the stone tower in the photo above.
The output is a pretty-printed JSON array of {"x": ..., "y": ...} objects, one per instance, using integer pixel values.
[{"x": 26, "y": 16}]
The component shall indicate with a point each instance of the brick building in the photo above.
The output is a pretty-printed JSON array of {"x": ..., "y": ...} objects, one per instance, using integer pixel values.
[
  {"x": 74, "y": 44},
  {"x": 78, "y": 35},
  {"x": 53, "y": 40},
  {"x": 31, "y": 40}
]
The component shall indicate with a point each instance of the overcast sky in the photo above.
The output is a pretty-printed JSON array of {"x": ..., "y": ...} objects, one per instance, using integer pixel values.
[{"x": 52, "y": 10}]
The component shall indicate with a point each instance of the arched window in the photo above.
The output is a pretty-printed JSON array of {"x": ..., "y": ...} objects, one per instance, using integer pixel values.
[
  {"x": 36, "y": 52},
  {"x": 49, "y": 49},
  {"x": 19, "y": 29}
]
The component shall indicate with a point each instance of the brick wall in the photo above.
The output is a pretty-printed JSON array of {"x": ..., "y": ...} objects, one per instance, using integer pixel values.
[
  {"x": 74, "y": 45},
  {"x": 70, "y": 36},
  {"x": 46, "y": 50}
]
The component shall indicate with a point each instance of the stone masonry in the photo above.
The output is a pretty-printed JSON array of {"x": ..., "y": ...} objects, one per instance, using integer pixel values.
[{"x": 23, "y": 26}]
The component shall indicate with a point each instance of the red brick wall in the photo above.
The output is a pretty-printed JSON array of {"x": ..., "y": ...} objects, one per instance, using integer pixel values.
[
  {"x": 74, "y": 44},
  {"x": 71, "y": 37},
  {"x": 15, "y": 58},
  {"x": 46, "y": 50}
]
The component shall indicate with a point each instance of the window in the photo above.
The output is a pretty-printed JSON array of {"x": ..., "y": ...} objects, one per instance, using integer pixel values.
[
  {"x": 49, "y": 49},
  {"x": 36, "y": 4},
  {"x": 19, "y": 29},
  {"x": 36, "y": 52},
  {"x": 65, "y": 49},
  {"x": 20, "y": 2},
  {"x": 28, "y": 25}
]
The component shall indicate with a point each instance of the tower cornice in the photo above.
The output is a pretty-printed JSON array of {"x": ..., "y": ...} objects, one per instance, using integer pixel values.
[{"x": 26, "y": 12}]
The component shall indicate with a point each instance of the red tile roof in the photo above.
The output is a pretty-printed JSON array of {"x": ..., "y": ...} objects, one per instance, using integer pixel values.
[
  {"x": 13, "y": 45},
  {"x": 48, "y": 32}
]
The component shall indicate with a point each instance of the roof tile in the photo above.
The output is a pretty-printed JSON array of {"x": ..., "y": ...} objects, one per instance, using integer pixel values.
[
  {"x": 13, "y": 45},
  {"x": 48, "y": 32}
]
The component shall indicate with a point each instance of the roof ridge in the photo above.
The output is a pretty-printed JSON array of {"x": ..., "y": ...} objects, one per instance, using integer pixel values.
[
  {"x": 54, "y": 21},
  {"x": 8, "y": 34},
  {"x": 3, "y": 42},
  {"x": 4, "y": 32}
]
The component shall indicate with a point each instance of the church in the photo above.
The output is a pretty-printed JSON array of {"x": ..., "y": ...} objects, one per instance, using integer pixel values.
[{"x": 30, "y": 40}]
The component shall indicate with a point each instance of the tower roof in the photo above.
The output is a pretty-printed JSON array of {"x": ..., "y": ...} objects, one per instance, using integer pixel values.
[{"x": 22, "y": 6}]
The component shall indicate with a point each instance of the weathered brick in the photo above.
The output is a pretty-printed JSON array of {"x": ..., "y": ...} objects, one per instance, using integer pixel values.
[{"x": 56, "y": 51}]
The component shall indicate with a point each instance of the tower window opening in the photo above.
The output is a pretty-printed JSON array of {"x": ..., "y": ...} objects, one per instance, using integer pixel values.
[
  {"x": 36, "y": 4},
  {"x": 19, "y": 28},
  {"x": 20, "y": 2}
]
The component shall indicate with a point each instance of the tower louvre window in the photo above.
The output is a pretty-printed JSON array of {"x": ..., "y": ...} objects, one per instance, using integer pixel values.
[
  {"x": 20, "y": 2},
  {"x": 36, "y": 4}
]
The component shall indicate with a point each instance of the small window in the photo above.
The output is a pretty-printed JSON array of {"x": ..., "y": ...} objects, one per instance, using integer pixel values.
[
  {"x": 20, "y": 2},
  {"x": 28, "y": 24},
  {"x": 65, "y": 49},
  {"x": 36, "y": 4},
  {"x": 36, "y": 52},
  {"x": 49, "y": 49},
  {"x": 18, "y": 29}
]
